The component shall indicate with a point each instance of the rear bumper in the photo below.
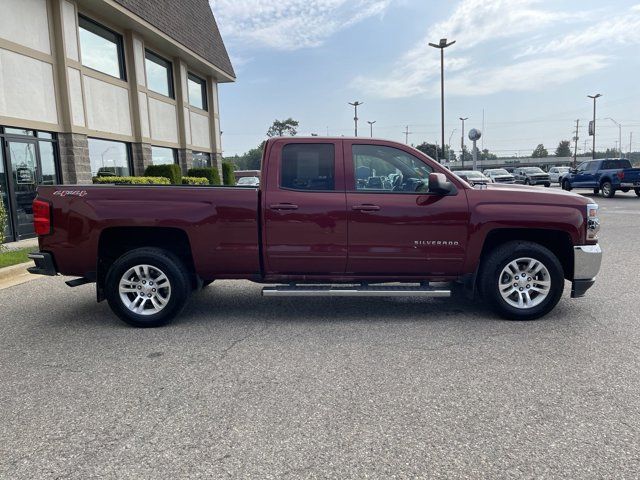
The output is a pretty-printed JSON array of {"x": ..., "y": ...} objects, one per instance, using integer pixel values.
[
  {"x": 44, "y": 264},
  {"x": 586, "y": 265},
  {"x": 630, "y": 185}
]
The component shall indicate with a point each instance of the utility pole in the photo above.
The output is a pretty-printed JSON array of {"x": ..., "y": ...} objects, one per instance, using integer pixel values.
[
  {"x": 619, "y": 135},
  {"x": 450, "y": 149},
  {"x": 462, "y": 141},
  {"x": 442, "y": 45},
  {"x": 406, "y": 134},
  {"x": 371, "y": 126},
  {"x": 355, "y": 105},
  {"x": 630, "y": 137},
  {"x": 593, "y": 124},
  {"x": 575, "y": 145}
]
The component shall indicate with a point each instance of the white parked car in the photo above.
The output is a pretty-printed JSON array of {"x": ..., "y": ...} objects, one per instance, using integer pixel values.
[
  {"x": 499, "y": 175},
  {"x": 556, "y": 173},
  {"x": 248, "y": 182}
]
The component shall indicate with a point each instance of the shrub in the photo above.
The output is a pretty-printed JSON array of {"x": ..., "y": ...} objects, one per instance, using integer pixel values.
[
  {"x": 132, "y": 180},
  {"x": 227, "y": 173},
  {"x": 171, "y": 171},
  {"x": 195, "y": 181},
  {"x": 210, "y": 173},
  {"x": 3, "y": 221}
]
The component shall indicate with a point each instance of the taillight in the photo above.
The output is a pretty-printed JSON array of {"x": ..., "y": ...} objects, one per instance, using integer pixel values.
[
  {"x": 41, "y": 217},
  {"x": 621, "y": 174}
]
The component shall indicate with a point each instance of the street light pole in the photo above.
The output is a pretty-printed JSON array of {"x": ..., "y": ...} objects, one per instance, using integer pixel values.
[
  {"x": 450, "y": 149},
  {"x": 619, "y": 135},
  {"x": 462, "y": 141},
  {"x": 371, "y": 126},
  {"x": 442, "y": 45},
  {"x": 355, "y": 115},
  {"x": 595, "y": 97}
]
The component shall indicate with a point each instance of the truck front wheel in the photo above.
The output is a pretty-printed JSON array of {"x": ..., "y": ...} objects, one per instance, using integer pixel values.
[
  {"x": 566, "y": 185},
  {"x": 147, "y": 287},
  {"x": 522, "y": 280}
]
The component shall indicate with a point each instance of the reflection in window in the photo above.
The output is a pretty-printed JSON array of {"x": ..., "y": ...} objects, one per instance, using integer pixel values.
[
  {"x": 162, "y": 155},
  {"x": 201, "y": 159},
  {"x": 307, "y": 166},
  {"x": 18, "y": 131},
  {"x": 197, "y": 92},
  {"x": 48, "y": 163},
  {"x": 108, "y": 158},
  {"x": 378, "y": 167},
  {"x": 159, "y": 78},
  {"x": 101, "y": 48}
]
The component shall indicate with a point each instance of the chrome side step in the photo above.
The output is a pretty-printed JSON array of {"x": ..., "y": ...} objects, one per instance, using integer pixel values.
[{"x": 353, "y": 291}]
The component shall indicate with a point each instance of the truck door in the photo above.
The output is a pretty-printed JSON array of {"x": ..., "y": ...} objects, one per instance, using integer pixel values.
[
  {"x": 304, "y": 208},
  {"x": 395, "y": 226}
]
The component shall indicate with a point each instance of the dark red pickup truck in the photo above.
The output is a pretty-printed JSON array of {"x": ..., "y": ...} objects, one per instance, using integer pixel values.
[{"x": 332, "y": 217}]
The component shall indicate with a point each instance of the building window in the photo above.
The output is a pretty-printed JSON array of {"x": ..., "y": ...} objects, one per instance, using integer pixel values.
[
  {"x": 201, "y": 159},
  {"x": 101, "y": 48},
  {"x": 159, "y": 76},
  {"x": 197, "y": 92},
  {"x": 307, "y": 166},
  {"x": 162, "y": 156},
  {"x": 109, "y": 158}
]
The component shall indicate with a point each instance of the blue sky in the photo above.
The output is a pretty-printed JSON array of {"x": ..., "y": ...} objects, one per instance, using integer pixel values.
[{"x": 528, "y": 63}]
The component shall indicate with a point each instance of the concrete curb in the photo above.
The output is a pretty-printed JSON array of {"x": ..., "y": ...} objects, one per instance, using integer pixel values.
[{"x": 16, "y": 274}]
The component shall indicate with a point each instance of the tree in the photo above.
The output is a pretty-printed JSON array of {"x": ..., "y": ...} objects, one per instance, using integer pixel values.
[
  {"x": 564, "y": 149},
  {"x": 249, "y": 160},
  {"x": 486, "y": 155},
  {"x": 540, "y": 152},
  {"x": 430, "y": 150},
  {"x": 281, "y": 128}
]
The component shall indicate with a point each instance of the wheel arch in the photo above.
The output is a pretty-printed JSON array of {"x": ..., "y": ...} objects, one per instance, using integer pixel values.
[{"x": 116, "y": 241}]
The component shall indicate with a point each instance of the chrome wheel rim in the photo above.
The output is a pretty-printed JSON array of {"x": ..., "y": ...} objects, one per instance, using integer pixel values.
[
  {"x": 145, "y": 289},
  {"x": 524, "y": 283},
  {"x": 606, "y": 188}
]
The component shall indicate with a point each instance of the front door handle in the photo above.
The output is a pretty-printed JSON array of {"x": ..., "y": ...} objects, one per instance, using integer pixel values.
[
  {"x": 283, "y": 206},
  {"x": 366, "y": 208}
]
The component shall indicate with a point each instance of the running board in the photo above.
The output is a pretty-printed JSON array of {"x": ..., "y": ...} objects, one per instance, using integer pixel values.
[{"x": 353, "y": 291}]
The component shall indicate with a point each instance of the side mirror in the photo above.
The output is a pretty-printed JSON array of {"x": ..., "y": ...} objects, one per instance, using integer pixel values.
[{"x": 439, "y": 184}]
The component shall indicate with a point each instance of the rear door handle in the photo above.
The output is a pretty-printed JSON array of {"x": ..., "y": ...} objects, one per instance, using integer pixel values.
[
  {"x": 283, "y": 206},
  {"x": 366, "y": 208}
]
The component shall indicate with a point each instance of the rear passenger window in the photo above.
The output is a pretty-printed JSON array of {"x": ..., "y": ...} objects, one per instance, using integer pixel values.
[{"x": 308, "y": 166}]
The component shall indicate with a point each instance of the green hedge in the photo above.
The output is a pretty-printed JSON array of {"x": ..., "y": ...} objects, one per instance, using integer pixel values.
[
  {"x": 133, "y": 180},
  {"x": 3, "y": 221},
  {"x": 227, "y": 173},
  {"x": 210, "y": 173},
  {"x": 195, "y": 181},
  {"x": 171, "y": 171}
]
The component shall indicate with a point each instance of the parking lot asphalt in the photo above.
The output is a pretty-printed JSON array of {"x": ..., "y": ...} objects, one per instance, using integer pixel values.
[{"x": 248, "y": 387}]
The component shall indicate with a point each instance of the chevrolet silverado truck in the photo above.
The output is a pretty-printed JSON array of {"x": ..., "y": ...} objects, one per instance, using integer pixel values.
[
  {"x": 331, "y": 217},
  {"x": 607, "y": 175}
]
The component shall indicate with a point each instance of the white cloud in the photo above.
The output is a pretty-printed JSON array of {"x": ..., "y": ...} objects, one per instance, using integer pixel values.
[
  {"x": 290, "y": 24},
  {"x": 478, "y": 23}
]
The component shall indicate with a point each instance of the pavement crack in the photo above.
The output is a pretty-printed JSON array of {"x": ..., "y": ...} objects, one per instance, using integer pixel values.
[{"x": 237, "y": 342}]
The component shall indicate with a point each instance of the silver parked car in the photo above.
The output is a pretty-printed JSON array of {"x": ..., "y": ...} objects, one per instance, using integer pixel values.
[
  {"x": 556, "y": 173},
  {"x": 248, "y": 182},
  {"x": 473, "y": 177},
  {"x": 499, "y": 175}
]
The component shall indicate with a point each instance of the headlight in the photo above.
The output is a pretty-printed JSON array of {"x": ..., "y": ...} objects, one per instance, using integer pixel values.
[{"x": 593, "y": 221}]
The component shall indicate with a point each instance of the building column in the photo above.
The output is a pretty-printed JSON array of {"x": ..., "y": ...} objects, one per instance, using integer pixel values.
[
  {"x": 214, "y": 124},
  {"x": 141, "y": 157},
  {"x": 185, "y": 159},
  {"x": 75, "y": 166}
]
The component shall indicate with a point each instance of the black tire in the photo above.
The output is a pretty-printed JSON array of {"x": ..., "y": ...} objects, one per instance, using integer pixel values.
[
  {"x": 491, "y": 276},
  {"x": 624, "y": 190},
  {"x": 160, "y": 261},
  {"x": 607, "y": 189},
  {"x": 637, "y": 190},
  {"x": 526, "y": 181},
  {"x": 566, "y": 185},
  {"x": 596, "y": 191},
  {"x": 547, "y": 185}
]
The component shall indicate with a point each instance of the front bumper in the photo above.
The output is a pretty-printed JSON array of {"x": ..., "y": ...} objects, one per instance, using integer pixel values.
[
  {"x": 586, "y": 265},
  {"x": 44, "y": 264}
]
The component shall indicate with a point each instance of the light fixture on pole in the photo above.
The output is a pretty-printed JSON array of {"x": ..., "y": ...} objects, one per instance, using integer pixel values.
[
  {"x": 355, "y": 114},
  {"x": 462, "y": 141},
  {"x": 371, "y": 126},
  {"x": 442, "y": 45},
  {"x": 592, "y": 125},
  {"x": 619, "y": 135}
]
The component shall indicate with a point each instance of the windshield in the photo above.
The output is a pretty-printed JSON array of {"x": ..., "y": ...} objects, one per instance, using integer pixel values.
[
  {"x": 533, "y": 170},
  {"x": 247, "y": 180},
  {"x": 499, "y": 171},
  {"x": 470, "y": 174},
  {"x": 563, "y": 169}
]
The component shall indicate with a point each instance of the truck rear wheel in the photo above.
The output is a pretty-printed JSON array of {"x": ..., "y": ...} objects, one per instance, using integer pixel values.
[
  {"x": 637, "y": 190},
  {"x": 522, "y": 280},
  {"x": 147, "y": 287}
]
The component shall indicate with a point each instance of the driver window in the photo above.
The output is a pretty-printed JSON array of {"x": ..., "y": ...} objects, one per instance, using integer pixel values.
[
  {"x": 387, "y": 169},
  {"x": 582, "y": 167}
]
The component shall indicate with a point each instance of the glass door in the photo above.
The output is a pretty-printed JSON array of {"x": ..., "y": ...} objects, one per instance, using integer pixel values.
[
  {"x": 23, "y": 181},
  {"x": 4, "y": 198}
]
